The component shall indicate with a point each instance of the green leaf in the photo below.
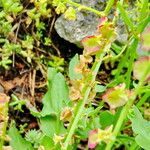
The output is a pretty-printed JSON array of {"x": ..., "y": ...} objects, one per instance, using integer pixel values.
[
  {"x": 141, "y": 68},
  {"x": 50, "y": 125},
  {"x": 72, "y": 74},
  {"x": 100, "y": 88},
  {"x": 47, "y": 109},
  {"x": 142, "y": 128},
  {"x": 92, "y": 44},
  {"x": 107, "y": 119},
  {"x": 47, "y": 142},
  {"x": 145, "y": 39},
  {"x": 142, "y": 24},
  {"x": 11, "y": 6},
  {"x": 47, "y": 97},
  {"x": 125, "y": 17},
  {"x": 116, "y": 96},
  {"x": 57, "y": 95},
  {"x": 54, "y": 101},
  {"x": 70, "y": 14},
  {"x": 143, "y": 142},
  {"x": 144, "y": 10},
  {"x": 51, "y": 73},
  {"x": 17, "y": 142},
  {"x": 109, "y": 5}
]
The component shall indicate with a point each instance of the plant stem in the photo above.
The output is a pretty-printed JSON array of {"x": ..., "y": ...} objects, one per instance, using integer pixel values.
[
  {"x": 80, "y": 109},
  {"x": 85, "y": 8},
  {"x": 99, "y": 13},
  {"x": 133, "y": 146},
  {"x": 144, "y": 10},
  {"x": 143, "y": 99},
  {"x": 125, "y": 17},
  {"x": 121, "y": 64},
  {"x": 125, "y": 111},
  {"x": 108, "y": 7},
  {"x": 132, "y": 51}
]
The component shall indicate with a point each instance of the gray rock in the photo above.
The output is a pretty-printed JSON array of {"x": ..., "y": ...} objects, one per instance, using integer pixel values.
[
  {"x": 85, "y": 24},
  {"x": 97, "y": 4},
  {"x": 75, "y": 31}
]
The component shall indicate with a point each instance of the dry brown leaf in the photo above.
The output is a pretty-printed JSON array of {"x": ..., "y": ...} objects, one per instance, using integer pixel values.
[{"x": 8, "y": 85}]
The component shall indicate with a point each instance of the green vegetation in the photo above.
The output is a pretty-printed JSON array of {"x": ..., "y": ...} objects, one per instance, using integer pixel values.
[{"x": 99, "y": 99}]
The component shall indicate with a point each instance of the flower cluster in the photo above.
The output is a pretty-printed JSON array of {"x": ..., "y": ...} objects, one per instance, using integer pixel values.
[
  {"x": 145, "y": 39},
  {"x": 141, "y": 67},
  {"x": 60, "y": 6},
  {"x": 117, "y": 96},
  {"x": 93, "y": 45},
  {"x": 83, "y": 88},
  {"x": 98, "y": 135}
]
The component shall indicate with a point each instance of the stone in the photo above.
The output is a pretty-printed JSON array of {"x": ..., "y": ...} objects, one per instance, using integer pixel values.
[
  {"x": 75, "y": 31},
  {"x": 85, "y": 24}
]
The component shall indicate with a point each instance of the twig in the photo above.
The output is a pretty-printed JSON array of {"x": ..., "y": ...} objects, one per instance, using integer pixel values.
[
  {"x": 51, "y": 26},
  {"x": 33, "y": 83},
  {"x": 57, "y": 50}
]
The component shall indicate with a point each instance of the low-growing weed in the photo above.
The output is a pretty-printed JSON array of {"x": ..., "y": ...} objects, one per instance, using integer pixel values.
[{"x": 79, "y": 110}]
